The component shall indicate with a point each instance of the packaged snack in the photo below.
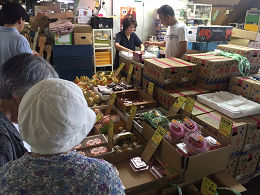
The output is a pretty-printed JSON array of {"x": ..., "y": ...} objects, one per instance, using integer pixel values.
[
  {"x": 212, "y": 143},
  {"x": 176, "y": 129},
  {"x": 190, "y": 125},
  {"x": 182, "y": 148},
  {"x": 195, "y": 142},
  {"x": 155, "y": 118},
  {"x": 137, "y": 164}
]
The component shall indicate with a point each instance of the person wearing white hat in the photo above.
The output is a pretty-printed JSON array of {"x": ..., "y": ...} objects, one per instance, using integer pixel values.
[
  {"x": 53, "y": 118},
  {"x": 17, "y": 75}
]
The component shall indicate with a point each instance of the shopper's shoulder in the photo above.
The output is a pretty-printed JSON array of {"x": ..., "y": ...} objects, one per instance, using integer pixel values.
[{"x": 181, "y": 24}]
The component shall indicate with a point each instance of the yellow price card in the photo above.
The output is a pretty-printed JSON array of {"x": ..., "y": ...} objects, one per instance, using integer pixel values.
[
  {"x": 111, "y": 129},
  {"x": 189, "y": 104},
  {"x": 179, "y": 102},
  {"x": 98, "y": 117},
  {"x": 133, "y": 111},
  {"x": 112, "y": 98},
  {"x": 208, "y": 187},
  {"x": 121, "y": 66},
  {"x": 130, "y": 71},
  {"x": 158, "y": 135},
  {"x": 150, "y": 88},
  {"x": 225, "y": 127}
]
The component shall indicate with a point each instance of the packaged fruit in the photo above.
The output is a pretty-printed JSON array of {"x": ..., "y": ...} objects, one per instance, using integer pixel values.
[
  {"x": 195, "y": 142},
  {"x": 176, "y": 129}
]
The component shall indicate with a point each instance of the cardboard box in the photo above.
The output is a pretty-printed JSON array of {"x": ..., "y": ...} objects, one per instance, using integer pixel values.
[
  {"x": 198, "y": 109},
  {"x": 209, "y": 33},
  {"x": 167, "y": 97},
  {"x": 244, "y": 34},
  {"x": 211, "y": 122},
  {"x": 247, "y": 164},
  {"x": 190, "y": 168},
  {"x": 241, "y": 86},
  {"x": 168, "y": 72},
  {"x": 63, "y": 39},
  {"x": 213, "y": 67},
  {"x": 252, "y": 138},
  {"x": 258, "y": 166},
  {"x": 232, "y": 165},
  {"x": 252, "y": 54},
  {"x": 213, "y": 85},
  {"x": 82, "y": 35},
  {"x": 146, "y": 101},
  {"x": 255, "y": 92}
]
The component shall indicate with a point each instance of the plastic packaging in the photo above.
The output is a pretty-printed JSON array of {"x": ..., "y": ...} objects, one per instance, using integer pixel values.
[
  {"x": 195, "y": 142},
  {"x": 155, "y": 118},
  {"x": 176, "y": 129},
  {"x": 190, "y": 125},
  {"x": 137, "y": 164}
]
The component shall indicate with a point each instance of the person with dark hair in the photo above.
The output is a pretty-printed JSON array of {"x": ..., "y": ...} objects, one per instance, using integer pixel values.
[
  {"x": 176, "y": 37},
  {"x": 13, "y": 17},
  {"x": 127, "y": 40},
  {"x": 17, "y": 75}
]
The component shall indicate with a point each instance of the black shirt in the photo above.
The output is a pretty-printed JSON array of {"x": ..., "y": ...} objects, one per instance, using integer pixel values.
[
  {"x": 122, "y": 39},
  {"x": 11, "y": 144}
]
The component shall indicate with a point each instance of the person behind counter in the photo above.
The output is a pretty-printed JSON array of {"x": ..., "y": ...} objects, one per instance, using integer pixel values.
[
  {"x": 127, "y": 40},
  {"x": 13, "y": 17},
  {"x": 17, "y": 75},
  {"x": 53, "y": 118},
  {"x": 176, "y": 37}
]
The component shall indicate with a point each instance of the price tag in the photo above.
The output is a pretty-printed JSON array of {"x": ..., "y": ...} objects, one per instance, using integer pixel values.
[
  {"x": 129, "y": 75},
  {"x": 150, "y": 88},
  {"x": 158, "y": 135},
  {"x": 179, "y": 102},
  {"x": 112, "y": 98},
  {"x": 133, "y": 111},
  {"x": 116, "y": 73},
  {"x": 208, "y": 187},
  {"x": 225, "y": 127},
  {"x": 99, "y": 116},
  {"x": 189, "y": 104},
  {"x": 111, "y": 129}
]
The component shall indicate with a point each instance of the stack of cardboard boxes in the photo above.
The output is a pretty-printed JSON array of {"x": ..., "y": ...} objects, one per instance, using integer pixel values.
[
  {"x": 214, "y": 71},
  {"x": 253, "y": 55},
  {"x": 246, "y": 87}
]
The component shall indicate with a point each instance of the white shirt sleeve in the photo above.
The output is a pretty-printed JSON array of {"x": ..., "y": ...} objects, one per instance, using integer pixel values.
[{"x": 183, "y": 34}]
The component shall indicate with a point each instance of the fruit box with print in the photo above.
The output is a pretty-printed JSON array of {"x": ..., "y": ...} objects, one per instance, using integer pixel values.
[
  {"x": 189, "y": 167},
  {"x": 211, "y": 122},
  {"x": 255, "y": 92},
  {"x": 167, "y": 97},
  {"x": 252, "y": 54},
  {"x": 211, "y": 33},
  {"x": 213, "y": 85},
  {"x": 232, "y": 165},
  {"x": 213, "y": 67},
  {"x": 169, "y": 72},
  {"x": 241, "y": 86},
  {"x": 247, "y": 164}
]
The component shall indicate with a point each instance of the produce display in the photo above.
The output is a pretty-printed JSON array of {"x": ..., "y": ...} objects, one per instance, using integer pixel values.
[{"x": 154, "y": 117}]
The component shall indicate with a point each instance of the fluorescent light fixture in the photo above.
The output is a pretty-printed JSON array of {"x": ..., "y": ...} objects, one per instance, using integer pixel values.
[{"x": 66, "y": 1}]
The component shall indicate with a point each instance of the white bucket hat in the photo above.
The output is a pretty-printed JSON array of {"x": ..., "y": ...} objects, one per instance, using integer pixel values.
[{"x": 54, "y": 116}]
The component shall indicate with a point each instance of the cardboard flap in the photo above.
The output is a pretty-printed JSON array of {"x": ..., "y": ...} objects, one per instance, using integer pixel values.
[{"x": 82, "y": 29}]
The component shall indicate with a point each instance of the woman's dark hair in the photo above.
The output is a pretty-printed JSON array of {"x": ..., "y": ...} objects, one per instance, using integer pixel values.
[
  {"x": 12, "y": 12},
  {"x": 166, "y": 10},
  {"x": 128, "y": 21}
]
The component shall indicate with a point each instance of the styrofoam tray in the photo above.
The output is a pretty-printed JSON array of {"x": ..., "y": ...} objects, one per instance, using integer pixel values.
[
  {"x": 231, "y": 105},
  {"x": 103, "y": 97}
]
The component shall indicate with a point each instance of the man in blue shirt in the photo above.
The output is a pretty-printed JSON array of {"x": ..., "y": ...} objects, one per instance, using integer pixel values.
[{"x": 11, "y": 41}]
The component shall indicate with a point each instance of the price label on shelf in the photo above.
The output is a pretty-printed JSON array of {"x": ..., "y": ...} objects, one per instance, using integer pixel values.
[
  {"x": 98, "y": 117},
  {"x": 158, "y": 135},
  {"x": 225, "y": 127},
  {"x": 111, "y": 129},
  {"x": 150, "y": 88},
  {"x": 208, "y": 187},
  {"x": 112, "y": 98},
  {"x": 133, "y": 111},
  {"x": 130, "y": 71},
  {"x": 189, "y": 105},
  {"x": 116, "y": 73},
  {"x": 179, "y": 102}
]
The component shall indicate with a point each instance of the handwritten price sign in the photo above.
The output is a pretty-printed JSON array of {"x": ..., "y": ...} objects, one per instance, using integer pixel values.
[
  {"x": 179, "y": 102},
  {"x": 208, "y": 187},
  {"x": 158, "y": 135},
  {"x": 225, "y": 127},
  {"x": 150, "y": 88},
  {"x": 189, "y": 105}
]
